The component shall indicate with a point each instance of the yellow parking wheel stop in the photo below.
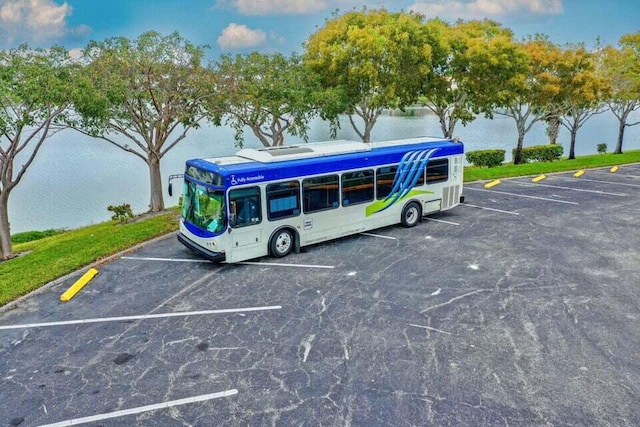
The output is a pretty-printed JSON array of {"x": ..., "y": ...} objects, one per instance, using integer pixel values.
[{"x": 80, "y": 283}]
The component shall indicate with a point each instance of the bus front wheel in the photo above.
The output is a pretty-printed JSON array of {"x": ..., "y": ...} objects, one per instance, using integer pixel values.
[
  {"x": 281, "y": 243},
  {"x": 411, "y": 214}
]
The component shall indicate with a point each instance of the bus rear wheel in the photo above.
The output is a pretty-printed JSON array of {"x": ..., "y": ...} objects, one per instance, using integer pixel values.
[
  {"x": 281, "y": 243},
  {"x": 411, "y": 214}
]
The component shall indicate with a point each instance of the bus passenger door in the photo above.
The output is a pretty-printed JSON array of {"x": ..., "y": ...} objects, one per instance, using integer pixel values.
[{"x": 245, "y": 217}]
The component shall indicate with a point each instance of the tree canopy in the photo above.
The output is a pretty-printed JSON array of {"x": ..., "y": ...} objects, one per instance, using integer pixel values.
[
  {"x": 36, "y": 87},
  {"x": 143, "y": 96},
  {"x": 271, "y": 94},
  {"x": 582, "y": 91},
  {"x": 621, "y": 68},
  {"x": 527, "y": 96},
  {"x": 374, "y": 59},
  {"x": 470, "y": 62}
]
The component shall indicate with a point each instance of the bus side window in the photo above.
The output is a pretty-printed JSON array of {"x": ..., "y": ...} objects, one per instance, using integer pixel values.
[
  {"x": 245, "y": 207},
  {"x": 283, "y": 200},
  {"x": 384, "y": 180},
  {"x": 357, "y": 187},
  {"x": 321, "y": 193},
  {"x": 437, "y": 170}
]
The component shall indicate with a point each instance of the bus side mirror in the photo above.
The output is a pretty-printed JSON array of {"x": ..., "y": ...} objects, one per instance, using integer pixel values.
[{"x": 171, "y": 178}]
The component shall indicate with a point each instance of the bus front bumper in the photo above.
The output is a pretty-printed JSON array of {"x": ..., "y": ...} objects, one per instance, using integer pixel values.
[{"x": 210, "y": 255}]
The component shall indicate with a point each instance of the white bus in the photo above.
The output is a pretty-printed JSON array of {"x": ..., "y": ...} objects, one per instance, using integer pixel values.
[{"x": 272, "y": 201}]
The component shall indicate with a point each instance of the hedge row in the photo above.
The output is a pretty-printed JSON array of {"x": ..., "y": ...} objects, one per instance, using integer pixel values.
[
  {"x": 541, "y": 153},
  {"x": 488, "y": 158},
  {"x": 537, "y": 153}
]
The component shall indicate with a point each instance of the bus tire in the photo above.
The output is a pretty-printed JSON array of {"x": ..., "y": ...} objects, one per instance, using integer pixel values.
[
  {"x": 281, "y": 243},
  {"x": 411, "y": 214}
]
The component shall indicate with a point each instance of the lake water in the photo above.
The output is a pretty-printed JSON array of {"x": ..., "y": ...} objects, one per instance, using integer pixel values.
[{"x": 74, "y": 178}]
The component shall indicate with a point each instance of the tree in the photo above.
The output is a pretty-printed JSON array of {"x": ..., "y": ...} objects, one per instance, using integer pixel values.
[
  {"x": 271, "y": 94},
  {"x": 528, "y": 95},
  {"x": 149, "y": 92},
  {"x": 373, "y": 59},
  {"x": 470, "y": 61},
  {"x": 622, "y": 70},
  {"x": 582, "y": 91},
  {"x": 35, "y": 95}
]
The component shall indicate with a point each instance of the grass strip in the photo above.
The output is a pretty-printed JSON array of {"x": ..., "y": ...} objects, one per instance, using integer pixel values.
[
  {"x": 509, "y": 170},
  {"x": 52, "y": 257}
]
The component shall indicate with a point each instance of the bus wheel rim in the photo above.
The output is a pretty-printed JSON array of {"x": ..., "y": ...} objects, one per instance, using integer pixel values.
[
  {"x": 283, "y": 242},
  {"x": 412, "y": 215}
]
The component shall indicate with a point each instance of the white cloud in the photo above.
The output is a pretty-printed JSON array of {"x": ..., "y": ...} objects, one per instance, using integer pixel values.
[
  {"x": 34, "y": 21},
  {"x": 478, "y": 9},
  {"x": 76, "y": 53},
  {"x": 276, "y": 7},
  {"x": 237, "y": 36}
]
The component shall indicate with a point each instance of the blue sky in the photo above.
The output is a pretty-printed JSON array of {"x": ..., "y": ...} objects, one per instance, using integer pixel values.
[{"x": 235, "y": 26}]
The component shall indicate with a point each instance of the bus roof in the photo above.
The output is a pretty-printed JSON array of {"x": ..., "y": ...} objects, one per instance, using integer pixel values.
[{"x": 265, "y": 164}]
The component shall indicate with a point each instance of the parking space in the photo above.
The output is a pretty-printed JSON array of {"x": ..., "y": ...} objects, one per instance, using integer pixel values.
[{"x": 520, "y": 307}]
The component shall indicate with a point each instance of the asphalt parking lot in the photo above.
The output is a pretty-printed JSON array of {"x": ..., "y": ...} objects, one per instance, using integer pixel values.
[{"x": 519, "y": 308}]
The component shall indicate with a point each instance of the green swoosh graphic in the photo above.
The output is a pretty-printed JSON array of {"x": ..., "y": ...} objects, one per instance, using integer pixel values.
[{"x": 381, "y": 204}]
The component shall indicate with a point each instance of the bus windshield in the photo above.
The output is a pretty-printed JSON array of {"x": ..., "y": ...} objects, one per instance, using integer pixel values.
[{"x": 204, "y": 207}]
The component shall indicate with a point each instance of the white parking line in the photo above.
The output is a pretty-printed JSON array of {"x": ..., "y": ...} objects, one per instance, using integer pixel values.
[
  {"x": 277, "y": 264},
  {"x": 166, "y": 259},
  {"x": 380, "y": 236},
  {"x": 626, "y": 184},
  {"x": 142, "y": 317},
  {"x": 269, "y": 264},
  {"x": 442, "y": 221},
  {"x": 488, "y": 209},
  {"x": 523, "y": 195},
  {"x": 141, "y": 409},
  {"x": 621, "y": 175},
  {"x": 570, "y": 188}
]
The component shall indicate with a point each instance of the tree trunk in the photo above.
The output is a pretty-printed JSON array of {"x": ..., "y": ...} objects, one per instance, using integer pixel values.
[
  {"x": 572, "y": 144},
  {"x": 5, "y": 228},
  {"x": 443, "y": 123},
  {"x": 366, "y": 137},
  {"x": 451, "y": 128},
  {"x": 517, "y": 159},
  {"x": 157, "y": 201},
  {"x": 622, "y": 125}
]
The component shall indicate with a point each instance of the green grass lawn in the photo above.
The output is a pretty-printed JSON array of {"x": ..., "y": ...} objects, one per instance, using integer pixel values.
[
  {"x": 563, "y": 165},
  {"x": 49, "y": 258},
  {"x": 51, "y": 254}
]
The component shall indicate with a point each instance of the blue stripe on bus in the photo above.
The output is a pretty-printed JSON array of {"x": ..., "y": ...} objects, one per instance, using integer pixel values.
[
  {"x": 405, "y": 163},
  {"x": 416, "y": 163},
  {"x": 197, "y": 231}
]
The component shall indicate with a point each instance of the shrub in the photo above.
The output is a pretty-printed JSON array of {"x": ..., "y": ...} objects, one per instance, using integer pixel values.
[
  {"x": 602, "y": 148},
  {"x": 121, "y": 212},
  {"x": 488, "y": 158},
  {"x": 541, "y": 153}
]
